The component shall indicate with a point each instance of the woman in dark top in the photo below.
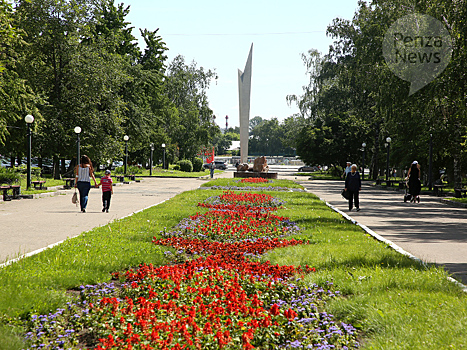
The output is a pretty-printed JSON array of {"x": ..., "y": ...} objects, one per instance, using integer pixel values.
[
  {"x": 353, "y": 185},
  {"x": 415, "y": 185}
]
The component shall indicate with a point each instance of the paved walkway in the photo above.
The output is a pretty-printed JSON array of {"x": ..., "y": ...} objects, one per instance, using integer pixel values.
[
  {"x": 431, "y": 230},
  {"x": 30, "y": 224}
]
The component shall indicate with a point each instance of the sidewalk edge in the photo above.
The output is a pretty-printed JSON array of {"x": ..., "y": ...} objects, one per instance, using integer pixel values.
[
  {"x": 388, "y": 242},
  {"x": 12, "y": 261}
]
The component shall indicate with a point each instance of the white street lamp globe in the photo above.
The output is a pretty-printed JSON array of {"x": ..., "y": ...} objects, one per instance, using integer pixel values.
[
  {"x": 163, "y": 145},
  {"x": 126, "y": 138},
  {"x": 363, "y": 144},
  {"x": 29, "y": 119},
  {"x": 388, "y": 140},
  {"x": 77, "y": 130}
]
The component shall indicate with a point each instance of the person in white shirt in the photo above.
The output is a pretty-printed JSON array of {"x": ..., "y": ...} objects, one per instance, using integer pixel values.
[
  {"x": 347, "y": 170},
  {"x": 84, "y": 172}
]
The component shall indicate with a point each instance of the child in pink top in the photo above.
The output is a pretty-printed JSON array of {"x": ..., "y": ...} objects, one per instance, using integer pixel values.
[{"x": 107, "y": 190}]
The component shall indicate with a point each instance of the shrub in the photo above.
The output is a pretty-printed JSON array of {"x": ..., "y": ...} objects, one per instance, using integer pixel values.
[
  {"x": 197, "y": 164},
  {"x": 119, "y": 170},
  {"x": 133, "y": 169},
  {"x": 130, "y": 170},
  {"x": 176, "y": 167},
  {"x": 36, "y": 172},
  {"x": 9, "y": 176},
  {"x": 185, "y": 165}
]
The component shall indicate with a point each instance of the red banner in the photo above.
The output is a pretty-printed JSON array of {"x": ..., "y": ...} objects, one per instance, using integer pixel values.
[{"x": 211, "y": 157}]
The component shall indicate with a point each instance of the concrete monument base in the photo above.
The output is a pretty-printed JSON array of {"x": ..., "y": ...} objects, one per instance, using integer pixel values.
[{"x": 255, "y": 174}]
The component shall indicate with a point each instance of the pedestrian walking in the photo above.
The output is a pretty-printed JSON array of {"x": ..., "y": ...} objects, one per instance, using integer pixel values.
[
  {"x": 107, "y": 190},
  {"x": 347, "y": 170},
  {"x": 353, "y": 185},
  {"x": 414, "y": 183},
  {"x": 84, "y": 172}
]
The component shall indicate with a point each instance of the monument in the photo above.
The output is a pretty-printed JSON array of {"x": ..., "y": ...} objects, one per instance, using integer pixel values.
[
  {"x": 260, "y": 167},
  {"x": 244, "y": 92}
]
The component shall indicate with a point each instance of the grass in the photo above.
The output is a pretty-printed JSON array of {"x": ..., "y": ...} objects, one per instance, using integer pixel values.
[
  {"x": 395, "y": 302},
  {"x": 319, "y": 175},
  {"x": 459, "y": 200},
  {"x": 159, "y": 172}
]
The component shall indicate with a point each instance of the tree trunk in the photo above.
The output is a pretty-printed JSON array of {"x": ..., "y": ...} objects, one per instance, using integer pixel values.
[
  {"x": 62, "y": 166},
  {"x": 375, "y": 154},
  {"x": 56, "y": 168}
]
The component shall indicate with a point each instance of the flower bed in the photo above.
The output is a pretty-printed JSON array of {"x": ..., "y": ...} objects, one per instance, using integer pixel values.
[
  {"x": 220, "y": 297},
  {"x": 254, "y": 180}
]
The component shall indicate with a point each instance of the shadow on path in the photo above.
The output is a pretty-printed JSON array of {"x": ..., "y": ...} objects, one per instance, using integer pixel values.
[{"x": 431, "y": 230}]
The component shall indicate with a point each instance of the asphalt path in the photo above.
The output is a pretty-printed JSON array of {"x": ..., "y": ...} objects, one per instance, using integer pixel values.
[
  {"x": 432, "y": 231},
  {"x": 27, "y": 225}
]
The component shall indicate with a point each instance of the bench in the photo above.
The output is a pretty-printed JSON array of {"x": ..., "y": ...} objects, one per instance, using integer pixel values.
[
  {"x": 402, "y": 185},
  {"x": 438, "y": 190},
  {"x": 38, "y": 185},
  {"x": 120, "y": 178},
  {"x": 131, "y": 177},
  {"x": 15, "y": 192},
  {"x": 4, "y": 190},
  {"x": 69, "y": 182},
  {"x": 460, "y": 192}
]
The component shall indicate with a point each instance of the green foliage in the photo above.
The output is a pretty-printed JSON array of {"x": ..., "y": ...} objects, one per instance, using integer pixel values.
[
  {"x": 353, "y": 97},
  {"x": 270, "y": 137},
  {"x": 395, "y": 302},
  {"x": 185, "y": 165},
  {"x": 132, "y": 92},
  {"x": 9, "y": 176},
  {"x": 186, "y": 87},
  {"x": 197, "y": 164}
]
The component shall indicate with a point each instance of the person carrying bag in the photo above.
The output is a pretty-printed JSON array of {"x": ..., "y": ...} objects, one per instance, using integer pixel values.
[{"x": 353, "y": 185}]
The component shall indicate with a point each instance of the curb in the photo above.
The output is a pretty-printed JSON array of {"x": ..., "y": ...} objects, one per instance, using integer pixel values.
[
  {"x": 12, "y": 261},
  {"x": 56, "y": 191},
  {"x": 388, "y": 242}
]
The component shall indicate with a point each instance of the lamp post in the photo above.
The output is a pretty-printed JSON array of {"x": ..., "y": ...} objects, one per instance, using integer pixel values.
[
  {"x": 77, "y": 131},
  {"x": 163, "y": 156},
  {"x": 150, "y": 160},
  {"x": 363, "y": 161},
  {"x": 388, "y": 145},
  {"x": 430, "y": 168},
  {"x": 29, "y": 119},
  {"x": 125, "y": 138}
]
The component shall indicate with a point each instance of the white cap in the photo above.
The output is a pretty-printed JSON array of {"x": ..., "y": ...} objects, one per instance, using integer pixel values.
[{"x": 414, "y": 162}]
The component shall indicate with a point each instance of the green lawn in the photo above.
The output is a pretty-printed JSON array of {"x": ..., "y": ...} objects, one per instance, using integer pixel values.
[
  {"x": 319, "y": 175},
  {"x": 395, "y": 302},
  {"x": 159, "y": 172}
]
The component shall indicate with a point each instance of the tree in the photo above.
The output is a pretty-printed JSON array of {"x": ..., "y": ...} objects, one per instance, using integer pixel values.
[{"x": 186, "y": 87}]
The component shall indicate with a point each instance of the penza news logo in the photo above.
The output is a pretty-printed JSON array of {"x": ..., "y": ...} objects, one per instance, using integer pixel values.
[{"x": 417, "y": 48}]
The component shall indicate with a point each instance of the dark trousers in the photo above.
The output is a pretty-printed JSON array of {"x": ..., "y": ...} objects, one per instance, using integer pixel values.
[
  {"x": 354, "y": 198},
  {"x": 106, "y": 199},
  {"x": 83, "y": 188}
]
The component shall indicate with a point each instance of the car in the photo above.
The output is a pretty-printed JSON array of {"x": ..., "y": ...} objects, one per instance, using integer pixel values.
[
  {"x": 218, "y": 164},
  {"x": 307, "y": 169}
]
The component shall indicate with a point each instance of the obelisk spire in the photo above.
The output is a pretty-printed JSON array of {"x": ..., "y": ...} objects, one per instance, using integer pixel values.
[{"x": 244, "y": 92}]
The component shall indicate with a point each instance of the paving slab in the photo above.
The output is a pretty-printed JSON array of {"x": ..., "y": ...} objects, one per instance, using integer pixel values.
[
  {"x": 432, "y": 231},
  {"x": 27, "y": 225}
]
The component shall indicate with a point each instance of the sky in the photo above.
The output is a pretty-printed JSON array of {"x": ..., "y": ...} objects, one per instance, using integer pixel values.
[{"x": 217, "y": 35}]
